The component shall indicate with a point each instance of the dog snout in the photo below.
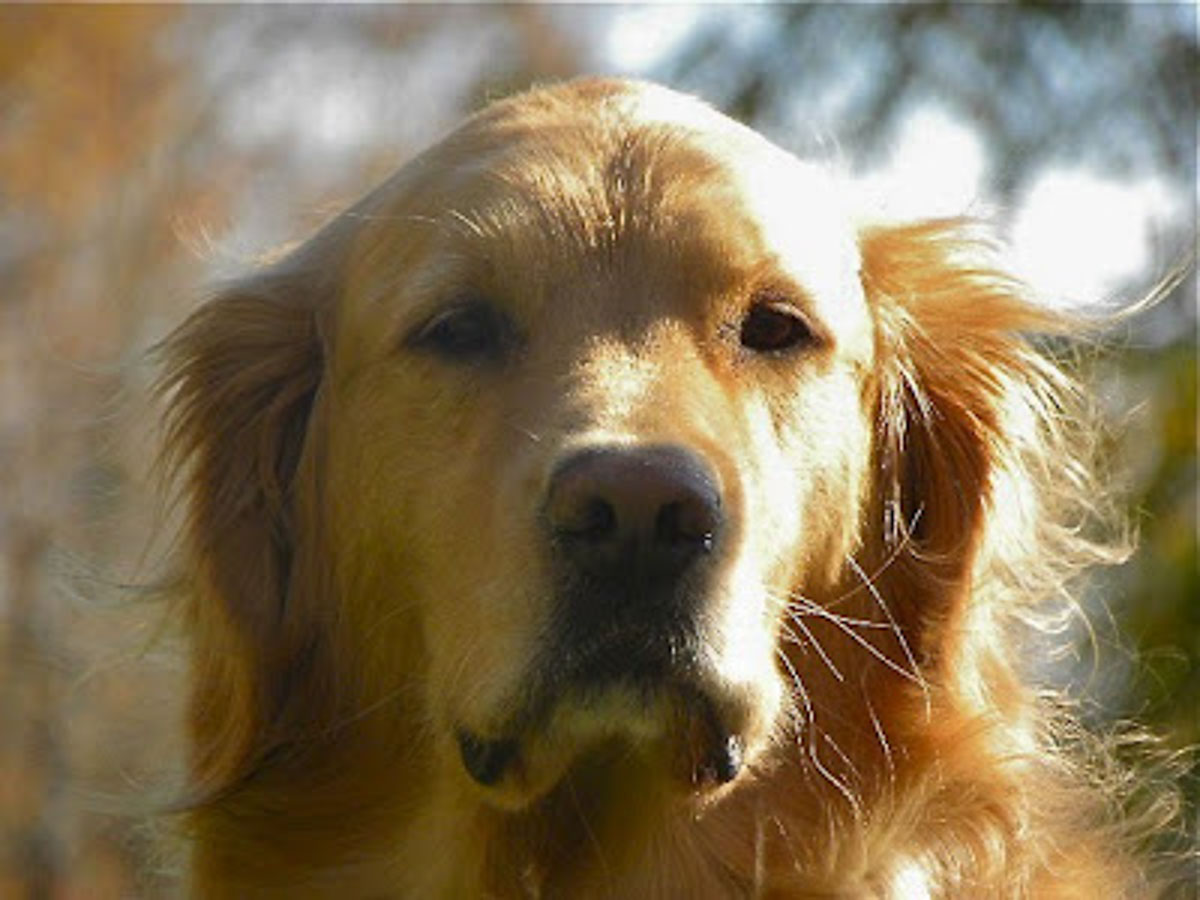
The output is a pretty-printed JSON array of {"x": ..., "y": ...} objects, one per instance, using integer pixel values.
[{"x": 632, "y": 515}]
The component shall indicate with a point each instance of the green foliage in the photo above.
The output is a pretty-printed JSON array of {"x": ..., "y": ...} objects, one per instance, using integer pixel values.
[{"x": 1159, "y": 603}]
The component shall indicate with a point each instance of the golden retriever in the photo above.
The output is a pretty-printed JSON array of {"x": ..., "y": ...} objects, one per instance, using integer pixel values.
[{"x": 602, "y": 507}]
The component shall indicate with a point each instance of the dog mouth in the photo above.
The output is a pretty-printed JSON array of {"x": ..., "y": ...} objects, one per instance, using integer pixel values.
[
  {"x": 652, "y": 692},
  {"x": 706, "y": 754}
]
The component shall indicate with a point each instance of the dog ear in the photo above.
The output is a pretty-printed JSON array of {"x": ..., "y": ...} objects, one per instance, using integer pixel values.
[
  {"x": 241, "y": 378},
  {"x": 960, "y": 391}
]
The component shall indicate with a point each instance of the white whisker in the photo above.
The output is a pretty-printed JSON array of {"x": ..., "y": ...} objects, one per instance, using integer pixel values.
[
  {"x": 532, "y": 435},
  {"x": 883, "y": 741},
  {"x": 816, "y": 645},
  {"x": 812, "y": 608},
  {"x": 359, "y": 714},
  {"x": 896, "y": 630},
  {"x": 811, "y": 730},
  {"x": 833, "y": 745},
  {"x": 884, "y": 566},
  {"x": 605, "y": 869},
  {"x": 913, "y": 676}
]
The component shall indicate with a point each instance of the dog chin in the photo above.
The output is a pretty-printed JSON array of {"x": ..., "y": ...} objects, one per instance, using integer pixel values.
[{"x": 696, "y": 736}]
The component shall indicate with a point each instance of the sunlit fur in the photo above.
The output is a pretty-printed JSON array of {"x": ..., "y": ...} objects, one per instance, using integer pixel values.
[{"x": 911, "y": 499}]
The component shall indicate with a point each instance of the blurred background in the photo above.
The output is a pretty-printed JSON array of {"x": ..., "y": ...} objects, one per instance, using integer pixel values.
[{"x": 147, "y": 150}]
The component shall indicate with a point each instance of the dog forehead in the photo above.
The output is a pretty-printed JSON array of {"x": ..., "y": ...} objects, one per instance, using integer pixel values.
[
  {"x": 581, "y": 179},
  {"x": 800, "y": 212},
  {"x": 697, "y": 173}
]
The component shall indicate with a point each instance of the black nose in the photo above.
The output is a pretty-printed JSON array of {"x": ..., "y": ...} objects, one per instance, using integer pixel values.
[{"x": 633, "y": 515}]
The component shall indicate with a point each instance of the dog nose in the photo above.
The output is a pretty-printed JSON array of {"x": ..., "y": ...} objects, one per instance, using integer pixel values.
[{"x": 632, "y": 515}]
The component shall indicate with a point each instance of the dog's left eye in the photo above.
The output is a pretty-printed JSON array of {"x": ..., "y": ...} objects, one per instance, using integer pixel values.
[
  {"x": 773, "y": 326},
  {"x": 474, "y": 331}
]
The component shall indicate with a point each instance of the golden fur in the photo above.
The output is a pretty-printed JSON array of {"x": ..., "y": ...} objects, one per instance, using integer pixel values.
[{"x": 902, "y": 493}]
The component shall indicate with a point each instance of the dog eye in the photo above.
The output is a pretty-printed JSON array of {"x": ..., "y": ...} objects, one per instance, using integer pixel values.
[
  {"x": 772, "y": 326},
  {"x": 468, "y": 332}
]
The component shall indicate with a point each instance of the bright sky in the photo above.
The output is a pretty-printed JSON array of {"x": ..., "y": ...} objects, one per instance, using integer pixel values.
[
  {"x": 1077, "y": 236},
  {"x": 641, "y": 36}
]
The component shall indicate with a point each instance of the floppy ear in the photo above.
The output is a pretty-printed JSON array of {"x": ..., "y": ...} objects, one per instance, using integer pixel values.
[
  {"x": 242, "y": 374},
  {"x": 958, "y": 378}
]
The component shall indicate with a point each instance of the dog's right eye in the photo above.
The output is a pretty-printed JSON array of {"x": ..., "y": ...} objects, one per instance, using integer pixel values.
[
  {"x": 774, "y": 326},
  {"x": 468, "y": 332}
]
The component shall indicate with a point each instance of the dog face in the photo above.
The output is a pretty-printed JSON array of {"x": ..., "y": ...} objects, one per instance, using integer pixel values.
[
  {"x": 601, "y": 458},
  {"x": 600, "y": 375}
]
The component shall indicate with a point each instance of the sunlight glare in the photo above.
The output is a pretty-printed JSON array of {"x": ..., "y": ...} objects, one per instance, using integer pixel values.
[
  {"x": 935, "y": 168},
  {"x": 641, "y": 37},
  {"x": 1078, "y": 237}
]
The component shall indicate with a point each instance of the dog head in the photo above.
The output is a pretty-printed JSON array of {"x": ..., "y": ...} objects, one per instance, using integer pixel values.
[
  {"x": 541, "y": 444},
  {"x": 602, "y": 370}
]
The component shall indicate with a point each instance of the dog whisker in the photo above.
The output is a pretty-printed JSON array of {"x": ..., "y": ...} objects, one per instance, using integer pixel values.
[
  {"x": 913, "y": 675},
  {"x": 807, "y": 739},
  {"x": 834, "y": 714},
  {"x": 810, "y": 607},
  {"x": 891, "y": 558},
  {"x": 833, "y": 745},
  {"x": 886, "y": 746},
  {"x": 466, "y": 664},
  {"x": 602, "y": 860},
  {"x": 532, "y": 435},
  {"x": 814, "y": 643},
  {"x": 364, "y": 712},
  {"x": 801, "y": 690},
  {"x": 760, "y": 851},
  {"x": 917, "y": 675}
]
